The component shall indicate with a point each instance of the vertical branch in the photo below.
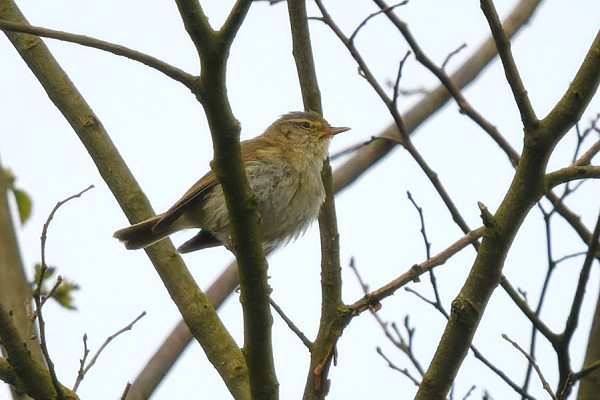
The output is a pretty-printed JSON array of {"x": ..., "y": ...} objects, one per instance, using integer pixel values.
[
  {"x": 590, "y": 383},
  {"x": 211, "y": 91},
  {"x": 14, "y": 289},
  {"x": 193, "y": 305},
  {"x": 562, "y": 348},
  {"x": 525, "y": 189},
  {"x": 331, "y": 282}
]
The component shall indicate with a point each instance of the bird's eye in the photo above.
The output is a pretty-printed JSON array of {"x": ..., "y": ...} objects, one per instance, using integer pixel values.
[{"x": 305, "y": 125}]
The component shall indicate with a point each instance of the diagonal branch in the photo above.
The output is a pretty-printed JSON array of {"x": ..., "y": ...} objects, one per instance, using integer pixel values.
[
  {"x": 152, "y": 62},
  {"x": 571, "y": 106},
  {"x": 438, "y": 97},
  {"x": 528, "y": 116},
  {"x": 195, "y": 308},
  {"x": 29, "y": 372},
  {"x": 416, "y": 271},
  {"x": 525, "y": 190}
]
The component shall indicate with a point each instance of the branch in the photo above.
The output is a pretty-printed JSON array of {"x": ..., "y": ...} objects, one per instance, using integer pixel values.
[
  {"x": 432, "y": 102},
  {"x": 14, "y": 288},
  {"x": 417, "y": 270},
  {"x": 165, "y": 356},
  {"x": 211, "y": 90},
  {"x": 200, "y": 316},
  {"x": 574, "y": 101},
  {"x": 531, "y": 361},
  {"x": 562, "y": 345},
  {"x": 586, "y": 158},
  {"x": 291, "y": 325},
  {"x": 37, "y": 293},
  {"x": 571, "y": 173},
  {"x": 333, "y": 316},
  {"x": 528, "y": 116},
  {"x": 152, "y": 62},
  {"x": 31, "y": 373},
  {"x": 84, "y": 369}
]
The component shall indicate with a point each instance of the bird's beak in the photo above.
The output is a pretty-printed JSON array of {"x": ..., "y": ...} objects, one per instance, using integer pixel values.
[{"x": 331, "y": 132}]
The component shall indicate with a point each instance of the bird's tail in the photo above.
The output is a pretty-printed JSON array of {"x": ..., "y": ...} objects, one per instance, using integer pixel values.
[{"x": 143, "y": 234}]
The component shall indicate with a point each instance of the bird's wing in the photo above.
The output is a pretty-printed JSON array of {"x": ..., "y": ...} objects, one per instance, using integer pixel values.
[
  {"x": 192, "y": 196},
  {"x": 250, "y": 149}
]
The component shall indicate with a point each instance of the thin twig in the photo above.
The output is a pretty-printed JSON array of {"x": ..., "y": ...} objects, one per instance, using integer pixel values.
[
  {"x": 291, "y": 324},
  {"x": 398, "y": 77},
  {"x": 405, "y": 346},
  {"x": 393, "y": 366},
  {"x": 417, "y": 270},
  {"x": 422, "y": 219},
  {"x": 532, "y": 315},
  {"x": 40, "y": 300},
  {"x": 126, "y": 391},
  {"x": 466, "y": 396},
  {"x": 355, "y": 147},
  {"x": 452, "y": 54},
  {"x": 83, "y": 371},
  {"x": 370, "y": 16},
  {"x": 534, "y": 364},
  {"x": 82, "y": 360}
]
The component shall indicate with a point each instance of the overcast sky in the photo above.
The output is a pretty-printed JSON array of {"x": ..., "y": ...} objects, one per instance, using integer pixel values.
[{"x": 161, "y": 132}]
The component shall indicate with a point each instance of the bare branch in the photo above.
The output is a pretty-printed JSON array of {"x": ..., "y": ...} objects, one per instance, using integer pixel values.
[
  {"x": 571, "y": 173},
  {"x": 370, "y": 16},
  {"x": 393, "y": 366},
  {"x": 452, "y": 54},
  {"x": 417, "y": 270},
  {"x": 525, "y": 309},
  {"x": 152, "y": 62},
  {"x": 37, "y": 296},
  {"x": 84, "y": 370},
  {"x": 528, "y": 116},
  {"x": 535, "y": 366},
  {"x": 291, "y": 324}
]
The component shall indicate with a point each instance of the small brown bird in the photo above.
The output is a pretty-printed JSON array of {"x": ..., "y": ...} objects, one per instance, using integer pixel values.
[{"x": 284, "y": 170}]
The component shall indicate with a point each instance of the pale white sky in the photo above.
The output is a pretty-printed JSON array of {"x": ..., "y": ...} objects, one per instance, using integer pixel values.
[{"x": 161, "y": 132}]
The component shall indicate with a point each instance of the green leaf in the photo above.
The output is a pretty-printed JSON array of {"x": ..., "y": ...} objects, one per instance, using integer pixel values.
[
  {"x": 64, "y": 294},
  {"x": 38, "y": 269},
  {"x": 23, "y": 204}
]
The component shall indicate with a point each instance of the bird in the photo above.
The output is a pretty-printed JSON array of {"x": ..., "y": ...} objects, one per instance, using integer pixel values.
[{"x": 283, "y": 166}]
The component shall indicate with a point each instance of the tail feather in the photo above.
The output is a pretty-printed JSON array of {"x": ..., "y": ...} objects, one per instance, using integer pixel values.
[{"x": 142, "y": 234}]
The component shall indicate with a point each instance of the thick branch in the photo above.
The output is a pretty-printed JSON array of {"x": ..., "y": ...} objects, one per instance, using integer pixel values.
[
  {"x": 213, "y": 50},
  {"x": 200, "y": 316},
  {"x": 526, "y": 188},
  {"x": 31, "y": 373},
  {"x": 574, "y": 101},
  {"x": 367, "y": 156},
  {"x": 165, "y": 356}
]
